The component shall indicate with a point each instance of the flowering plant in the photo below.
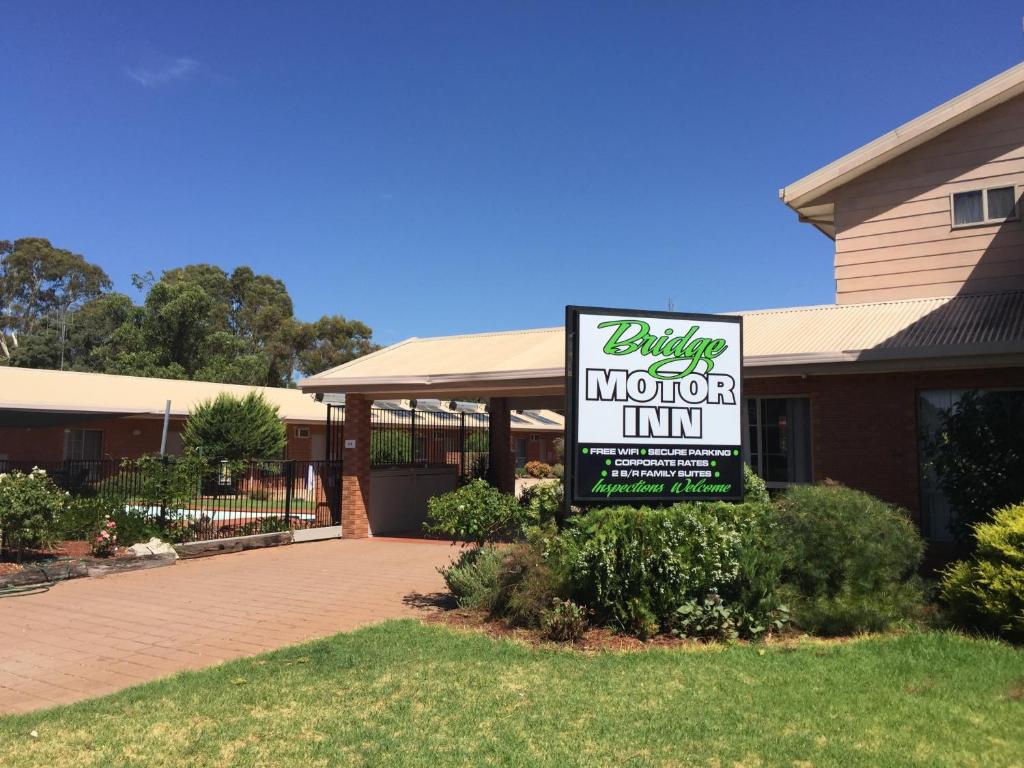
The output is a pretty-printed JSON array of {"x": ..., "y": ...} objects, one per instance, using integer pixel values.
[
  {"x": 104, "y": 544},
  {"x": 29, "y": 506}
]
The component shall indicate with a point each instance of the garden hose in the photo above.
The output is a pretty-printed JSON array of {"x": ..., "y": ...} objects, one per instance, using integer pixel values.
[{"x": 21, "y": 590}]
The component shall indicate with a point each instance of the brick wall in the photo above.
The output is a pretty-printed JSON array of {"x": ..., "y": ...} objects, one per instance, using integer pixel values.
[
  {"x": 123, "y": 438},
  {"x": 864, "y": 426}
]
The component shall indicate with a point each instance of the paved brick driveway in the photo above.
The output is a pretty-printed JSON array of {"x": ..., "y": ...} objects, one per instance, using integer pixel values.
[{"x": 92, "y": 636}]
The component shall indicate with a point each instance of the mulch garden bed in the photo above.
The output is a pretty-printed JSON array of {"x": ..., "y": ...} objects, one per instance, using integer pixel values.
[{"x": 439, "y": 609}]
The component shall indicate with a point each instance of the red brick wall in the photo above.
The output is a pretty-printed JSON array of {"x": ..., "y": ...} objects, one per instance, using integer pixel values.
[
  {"x": 120, "y": 440},
  {"x": 355, "y": 488},
  {"x": 864, "y": 426}
]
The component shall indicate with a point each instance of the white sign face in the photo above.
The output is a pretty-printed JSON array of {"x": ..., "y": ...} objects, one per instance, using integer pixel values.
[{"x": 656, "y": 406}]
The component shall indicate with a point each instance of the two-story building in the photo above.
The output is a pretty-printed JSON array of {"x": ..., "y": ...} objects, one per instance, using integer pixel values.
[{"x": 929, "y": 269}]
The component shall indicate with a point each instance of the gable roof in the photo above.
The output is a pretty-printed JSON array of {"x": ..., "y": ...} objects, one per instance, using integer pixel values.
[
  {"x": 951, "y": 331},
  {"x": 804, "y": 196}
]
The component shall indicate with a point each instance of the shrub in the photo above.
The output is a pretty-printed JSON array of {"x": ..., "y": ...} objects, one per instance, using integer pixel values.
[
  {"x": 229, "y": 427},
  {"x": 527, "y": 583},
  {"x": 850, "y": 559},
  {"x": 104, "y": 539},
  {"x": 987, "y": 592},
  {"x": 479, "y": 513},
  {"x": 30, "y": 505},
  {"x": 473, "y": 577},
  {"x": 82, "y": 518},
  {"x": 755, "y": 491},
  {"x": 390, "y": 446},
  {"x": 558, "y": 471},
  {"x": 544, "y": 501},
  {"x": 537, "y": 469},
  {"x": 636, "y": 568},
  {"x": 167, "y": 483},
  {"x": 564, "y": 621},
  {"x": 977, "y": 453}
]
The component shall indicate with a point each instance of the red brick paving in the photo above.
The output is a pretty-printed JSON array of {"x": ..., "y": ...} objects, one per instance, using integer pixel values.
[{"x": 88, "y": 637}]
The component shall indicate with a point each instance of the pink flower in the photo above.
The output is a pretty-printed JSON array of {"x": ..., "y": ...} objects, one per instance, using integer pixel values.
[{"x": 104, "y": 535}]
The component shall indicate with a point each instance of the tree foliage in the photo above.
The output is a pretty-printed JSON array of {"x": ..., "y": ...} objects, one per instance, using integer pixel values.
[
  {"x": 195, "y": 322},
  {"x": 229, "y": 427},
  {"x": 39, "y": 286},
  {"x": 978, "y": 453}
]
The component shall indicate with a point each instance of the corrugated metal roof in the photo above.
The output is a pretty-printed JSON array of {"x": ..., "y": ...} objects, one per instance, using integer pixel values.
[
  {"x": 905, "y": 329},
  {"x": 956, "y": 324}
]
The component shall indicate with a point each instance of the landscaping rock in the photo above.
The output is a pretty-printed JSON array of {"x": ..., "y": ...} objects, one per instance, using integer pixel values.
[{"x": 153, "y": 547}]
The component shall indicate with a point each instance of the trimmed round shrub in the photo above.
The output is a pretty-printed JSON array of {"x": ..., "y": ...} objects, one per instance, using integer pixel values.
[
  {"x": 987, "y": 592},
  {"x": 850, "y": 559},
  {"x": 537, "y": 469},
  {"x": 479, "y": 513},
  {"x": 642, "y": 570},
  {"x": 230, "y": 427},
  {"x": 528, "y": 583}
]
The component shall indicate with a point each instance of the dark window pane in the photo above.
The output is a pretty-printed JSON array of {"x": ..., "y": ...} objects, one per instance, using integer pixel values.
[
  {"x": 967, "y": 208},
  {"x": 1001, "y": 203}
]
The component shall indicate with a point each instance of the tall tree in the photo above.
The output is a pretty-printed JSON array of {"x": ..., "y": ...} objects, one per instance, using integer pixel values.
[
  {"x": 331, "y": 341},
  {"x": 41, "y": 285}
]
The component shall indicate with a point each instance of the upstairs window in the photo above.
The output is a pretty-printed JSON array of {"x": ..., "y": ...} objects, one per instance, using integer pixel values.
[{"x": 984, "y": 206}]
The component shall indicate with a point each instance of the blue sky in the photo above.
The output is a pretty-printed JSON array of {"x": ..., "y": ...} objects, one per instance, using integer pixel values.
[{"x": 452, "y": 167}]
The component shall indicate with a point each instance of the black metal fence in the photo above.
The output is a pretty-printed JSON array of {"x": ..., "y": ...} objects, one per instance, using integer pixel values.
[
  {"x": 403, "y": 437},
  {"x": 194, "y": 501}
]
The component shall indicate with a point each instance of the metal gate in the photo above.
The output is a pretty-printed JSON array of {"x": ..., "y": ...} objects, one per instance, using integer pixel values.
[{"x": 333, "y": 443}]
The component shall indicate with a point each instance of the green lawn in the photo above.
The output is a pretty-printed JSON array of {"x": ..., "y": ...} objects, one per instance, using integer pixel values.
[{"x": 407, "y": 694}]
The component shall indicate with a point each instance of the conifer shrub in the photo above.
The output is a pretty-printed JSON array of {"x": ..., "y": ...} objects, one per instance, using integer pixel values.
[
  {"x": 850, "y": 559},
  {"x": 986, "y": 593}
]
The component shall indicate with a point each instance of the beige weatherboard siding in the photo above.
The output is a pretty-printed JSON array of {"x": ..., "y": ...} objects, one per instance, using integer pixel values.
[
  {"x": 888, "y": 204},
  {"x": 894, "y": 230}
]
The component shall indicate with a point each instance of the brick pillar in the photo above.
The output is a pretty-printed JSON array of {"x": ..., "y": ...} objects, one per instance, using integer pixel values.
[
  {"x": 355, "y": 472},
  {"x": 502, "y": 472}
]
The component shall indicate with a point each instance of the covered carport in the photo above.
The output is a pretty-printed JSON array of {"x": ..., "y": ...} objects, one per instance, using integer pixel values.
[{"x": 513, "y": 370}]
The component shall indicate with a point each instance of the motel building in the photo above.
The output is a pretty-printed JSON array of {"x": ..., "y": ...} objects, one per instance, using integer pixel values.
[{"x": 928, "y": 246}]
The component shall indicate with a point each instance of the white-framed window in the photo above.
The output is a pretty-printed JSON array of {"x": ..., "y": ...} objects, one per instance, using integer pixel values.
[
  {"x": 983, "y": 206},
  {"x": 83, "y": 444},
  {"x": 778, "y": 445},
  {"x": 302, "y": 432}
]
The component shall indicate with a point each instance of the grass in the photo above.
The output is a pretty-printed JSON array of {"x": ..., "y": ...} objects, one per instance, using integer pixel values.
[{"x": 407, "y": 694}]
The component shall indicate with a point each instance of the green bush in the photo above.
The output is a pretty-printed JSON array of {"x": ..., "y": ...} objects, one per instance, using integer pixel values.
[
  {"x": 478, "y": 513},
  {"x": 82, "y": 517},
  {"x": 390, "y": 446},
  {"x": 544, "y": 501},
  {"x": 977, "y": 453},
  {"x": 636, "y": 568},
  {"x": 230, "y": 427},
  {"x": 564, "y": 621},
  {"x": 987, "y": 591},
  {"x": 30, "y": 505},
  {"x": 850, "y": 559},
  {"x": 527, "y": 584},
  {"x": 473, "y": 577},
  {"x": 167, "y": 483},
  {"x": 755, "y": 491}
]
